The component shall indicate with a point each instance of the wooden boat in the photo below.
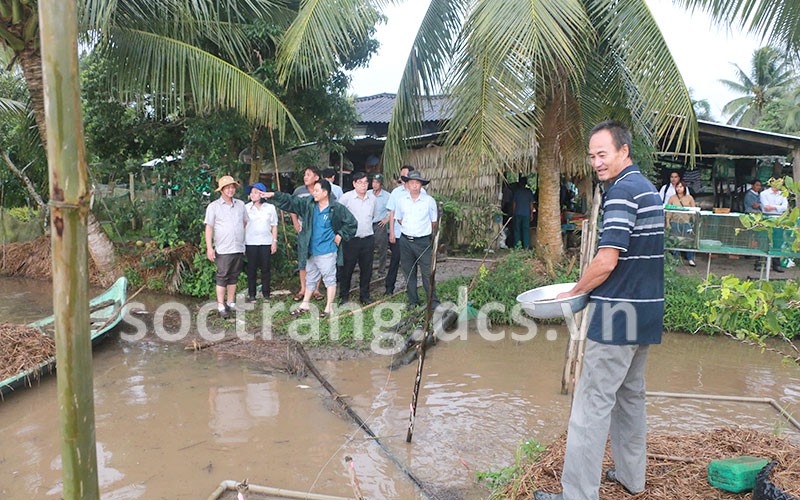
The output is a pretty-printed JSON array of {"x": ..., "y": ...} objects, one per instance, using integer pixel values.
[{"x": 106, "y": 311}]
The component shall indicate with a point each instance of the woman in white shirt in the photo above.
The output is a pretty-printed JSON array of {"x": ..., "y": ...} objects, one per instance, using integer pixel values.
[{"x": 260, "y": 240}]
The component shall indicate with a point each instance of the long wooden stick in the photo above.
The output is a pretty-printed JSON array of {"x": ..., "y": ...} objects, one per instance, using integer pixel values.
[
  {"x": 278, "y": 184},
  {"x": 339, "y": 399},
  {"x": 574, "y": 354},
  {"x": 421, "y": 348}
]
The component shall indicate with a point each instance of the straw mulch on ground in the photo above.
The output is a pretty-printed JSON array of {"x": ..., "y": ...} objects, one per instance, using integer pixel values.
[
  {"x": 674, "y": 479},
  {"x": 22, "y": 348},
  {"x": 31, "y": 259}
]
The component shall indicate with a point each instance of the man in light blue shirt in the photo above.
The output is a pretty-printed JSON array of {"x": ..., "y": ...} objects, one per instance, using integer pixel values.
[
  {"x": 329, "y": 175},
  {"x": 418, "y": 214},
  {"x": 380, "y": 221}
]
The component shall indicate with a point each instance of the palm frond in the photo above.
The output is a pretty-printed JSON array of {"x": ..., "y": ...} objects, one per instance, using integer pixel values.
[
  {"x": 424, "y": 73},
  {"x": 222, "y": 25},
  {"x": 516, "y": 52},
  {"x": 778, "y": 21},
  {"x": 149, "y": 64},
  {"x": 12, "y": 108},
  {"x": 658, "y": 98},
  {"x": 323, "y": 31},
  {"x": 736, "y": 86}
]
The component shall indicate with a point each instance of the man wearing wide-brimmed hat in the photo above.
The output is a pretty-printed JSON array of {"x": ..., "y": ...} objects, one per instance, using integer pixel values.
[
  {"x": 225, "y": 223},
  {"x": 418, "y": 214}
]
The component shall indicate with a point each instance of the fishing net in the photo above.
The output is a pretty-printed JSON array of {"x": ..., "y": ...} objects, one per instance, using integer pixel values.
[
  {"x": 680, "y": 471},
  {"x": 22, "y": 348}
]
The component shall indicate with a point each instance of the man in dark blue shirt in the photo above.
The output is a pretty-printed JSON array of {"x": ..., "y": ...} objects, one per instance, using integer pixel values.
[
  {"x": 626, "y": 313},
  {"x": 522, "y": 206}
]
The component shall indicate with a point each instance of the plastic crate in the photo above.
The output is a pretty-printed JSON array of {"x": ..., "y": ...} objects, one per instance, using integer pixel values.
[{"x": 735, "y": 474}]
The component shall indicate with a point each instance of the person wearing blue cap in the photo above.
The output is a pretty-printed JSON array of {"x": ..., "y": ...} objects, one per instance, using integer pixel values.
[{"x": 261, "y": 240}]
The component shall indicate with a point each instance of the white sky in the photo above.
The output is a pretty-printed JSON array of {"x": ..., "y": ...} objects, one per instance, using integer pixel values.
[{"x": 703, "y": 53}]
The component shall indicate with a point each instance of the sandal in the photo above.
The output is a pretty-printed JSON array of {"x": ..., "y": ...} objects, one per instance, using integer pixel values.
[
  {"x": 324, "y": 314},
  {"x": 299, "y": 296},
  {"x": 317, "y": 296},
  {"x": 299, "y": 311}
]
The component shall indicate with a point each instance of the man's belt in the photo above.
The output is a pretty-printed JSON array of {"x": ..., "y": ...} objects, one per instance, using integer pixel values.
[{"x": 412, "y": 238}]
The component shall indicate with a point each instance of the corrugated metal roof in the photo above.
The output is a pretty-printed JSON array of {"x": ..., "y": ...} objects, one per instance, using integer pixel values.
[{"x": 378, "y": 108}]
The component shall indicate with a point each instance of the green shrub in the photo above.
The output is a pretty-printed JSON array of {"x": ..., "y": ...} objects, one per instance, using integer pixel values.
[
  {"x": 200, "y": 281},
  {"x": 681, "y": 302},
  {"x": 527, "y": 452},
  {"x": 23, "y": 214}
]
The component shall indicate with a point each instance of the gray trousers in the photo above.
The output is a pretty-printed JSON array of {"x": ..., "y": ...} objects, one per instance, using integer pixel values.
[
  {"x": 610, "y": 397},
  {"x": 381, "y": 244},
  {"x": 415, "y": 254}
]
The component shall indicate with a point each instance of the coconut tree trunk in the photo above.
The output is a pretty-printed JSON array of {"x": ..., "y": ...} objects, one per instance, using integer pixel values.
[
  {"x": 30, "y": 59},
  {"x": 255, "y": 160},
  {"x": 70, "y": 205},
  {"x": 102, "y": 248},
  {"x": 548, "y": 161}
]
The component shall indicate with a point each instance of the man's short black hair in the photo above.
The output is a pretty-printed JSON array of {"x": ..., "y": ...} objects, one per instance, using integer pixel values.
[
  {"x": 328, "y": 172},
  {"x": 756, "y": 180},
  {"x": 325, "y": 185},
  {"x": 409, "y": 167},
  {"x": 357, "y": 176},
  {"x": 314, "y": 170},
  {"x": 620, "y": 134}
]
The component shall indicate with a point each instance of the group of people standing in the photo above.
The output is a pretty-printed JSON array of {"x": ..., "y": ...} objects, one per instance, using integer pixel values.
[
  {"x": 768, "y": 202},
  {"x": 336, "y": 231},
  {"x": 757, "y": 200}
]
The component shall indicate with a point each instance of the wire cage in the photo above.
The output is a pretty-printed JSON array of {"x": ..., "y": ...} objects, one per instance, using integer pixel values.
[
  {"x": 718, "y": 232},
  {"x": 680, "y": 229}
]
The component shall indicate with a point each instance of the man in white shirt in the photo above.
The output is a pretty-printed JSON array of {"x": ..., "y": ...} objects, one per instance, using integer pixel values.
[
  {"x": 395, "y": 229},
  {"x": 358, "y": 250},
  {"x": 667, "y": 191},
  {"x": 418, "y": 214},
  {"x": 225, "y": 224},
  {"x": 260, "y": 240},
  {"x": 773, "y": 202}
]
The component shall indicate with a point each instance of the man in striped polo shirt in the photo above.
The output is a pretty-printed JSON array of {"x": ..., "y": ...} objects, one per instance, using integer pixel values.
[{"x": 626, "y": 313}]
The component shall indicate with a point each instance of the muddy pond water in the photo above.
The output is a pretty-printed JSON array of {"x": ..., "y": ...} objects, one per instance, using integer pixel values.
[{"x": 172, "y": 424}]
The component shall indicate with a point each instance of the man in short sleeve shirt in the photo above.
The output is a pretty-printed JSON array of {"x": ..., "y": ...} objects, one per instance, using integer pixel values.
[
  {"x": 225, "y": 223},
  {"x": 418, "y": 215},
  {"x": 626, "y": 285}
]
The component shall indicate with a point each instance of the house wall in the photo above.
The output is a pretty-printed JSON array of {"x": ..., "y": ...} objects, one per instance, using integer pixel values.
[{"x": 479, "y": 192}]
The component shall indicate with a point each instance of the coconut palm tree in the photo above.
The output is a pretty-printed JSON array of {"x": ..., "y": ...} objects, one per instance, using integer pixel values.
[
  {"x": 766, "y": 82},
  {"x": 532, "y": 77}
]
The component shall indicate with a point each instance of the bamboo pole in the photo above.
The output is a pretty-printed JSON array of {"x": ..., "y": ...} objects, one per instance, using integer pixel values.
[
  {"x": 69, "y": 200},
  {"x": 584, "y": 324},
  {"x": 278, "y": 184},
  {"x": 422, "y": 346},
  {"x": 574, "y": 354}
]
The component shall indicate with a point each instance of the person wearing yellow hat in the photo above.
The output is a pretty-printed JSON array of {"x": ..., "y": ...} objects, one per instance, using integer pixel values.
[{"x": 225, "y": 223}]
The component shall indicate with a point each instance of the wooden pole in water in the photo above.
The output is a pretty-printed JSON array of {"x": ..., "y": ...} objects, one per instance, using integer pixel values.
[
  {"x": 69, "y": 198},
  {"x": 422, "y": 345}
]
